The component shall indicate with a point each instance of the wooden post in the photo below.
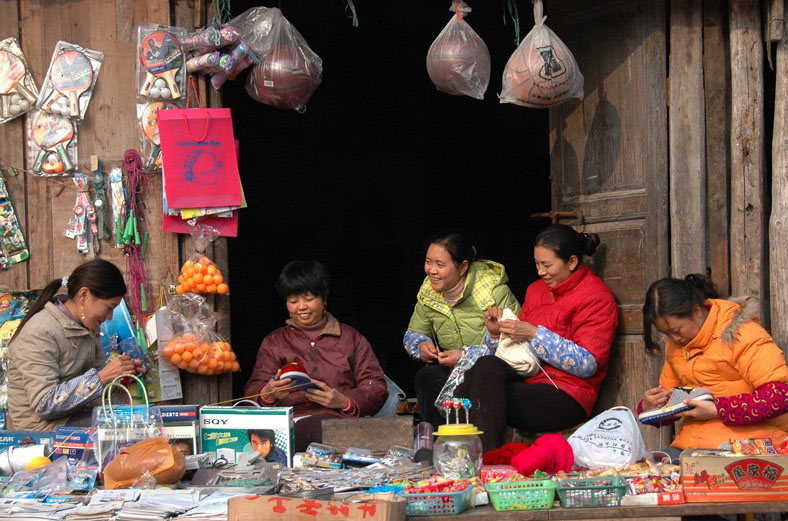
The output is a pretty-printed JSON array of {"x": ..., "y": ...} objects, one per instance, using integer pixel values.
[
  {"x": 748, "y": 222},
  {"x": 687, "y": 139},
  {"x": 778, "y": 223}
]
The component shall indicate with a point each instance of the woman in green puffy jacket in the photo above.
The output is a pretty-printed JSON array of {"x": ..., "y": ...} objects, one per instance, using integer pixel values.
[{"x": 449, "y": 315}]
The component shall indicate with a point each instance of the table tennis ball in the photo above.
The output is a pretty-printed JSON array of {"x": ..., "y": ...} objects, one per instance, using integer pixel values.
[
  {"x": 24, "y": 104},
  {"x": 160, "y": 83},
  {"x": 53, "y": 158},
  {"x": 15, "y": 109},
  {"x": 154, "y": 92},
  {"x": 15, "y": 98},
  {"x": 165, "y": 93}
]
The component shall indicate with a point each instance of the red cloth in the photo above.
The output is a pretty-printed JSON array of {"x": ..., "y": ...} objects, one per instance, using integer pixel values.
[
  {"x": 503, "y": 455},
  {"x": 550, "y": 453},
  {"x": 581, "y": 309}
]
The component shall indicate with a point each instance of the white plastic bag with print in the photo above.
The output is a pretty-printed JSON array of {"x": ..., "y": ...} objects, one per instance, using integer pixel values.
[
  {"x": 542, "y": 72},
  {"x": 610, "y": 439}
]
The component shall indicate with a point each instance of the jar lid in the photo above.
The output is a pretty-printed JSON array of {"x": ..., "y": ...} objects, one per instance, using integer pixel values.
[{"x": 461, "y": 429}]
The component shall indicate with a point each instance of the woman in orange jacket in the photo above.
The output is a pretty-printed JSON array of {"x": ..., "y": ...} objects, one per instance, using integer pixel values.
[{"x": 720, "y": 346}]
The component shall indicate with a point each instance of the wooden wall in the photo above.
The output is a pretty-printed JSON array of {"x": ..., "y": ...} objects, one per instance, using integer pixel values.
[{"x": 109, "y": 129}]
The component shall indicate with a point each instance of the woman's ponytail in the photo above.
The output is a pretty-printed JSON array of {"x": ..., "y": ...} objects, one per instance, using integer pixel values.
[{"x": 46, "y": 295}]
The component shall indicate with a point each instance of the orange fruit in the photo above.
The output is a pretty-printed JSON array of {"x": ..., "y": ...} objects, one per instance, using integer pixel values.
[
  {"x": 232, "y": 356},
  {"x": 190, "y": 283},
  {"x": 236, "y": 367},
  {"x": 218, "y": 279},
  {"x": 197, "y": 278},
  {"x": 182, "y": 279},
  {"x": 167, "y": 351},
  {"x": 210, "y": 288},
  {"x": 180, "y": 290},
  {"x": 204, "y": 261},
  {"x": 219, "y": 365},
  {"x": 202, "y": 369},
  {"x": 183, "y": 365},
  {"x": 187, "y": 356},
  {"x": 201, "y": 287},
  {"x": 188, "y": 264},
  {"x": 211, "y": 364},
  {"x": 193, "y": 364},
  {"x": 212, "y": 270},
  {"x": 175, "y": 359},
  {"x": 207, "y": 279},
  {"x": 226, "y": 356},
  {"x": 197, "y": 352},
  {"x": 190, "y": 271},
  {"x": 222, "y": 288}
]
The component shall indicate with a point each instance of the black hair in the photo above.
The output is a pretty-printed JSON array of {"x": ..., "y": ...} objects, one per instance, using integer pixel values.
[
  {"x": 263, "y": 434},
  {"x": 458, "y": 246},
  {"x": 674, "y": 297},
  {"x": 303, "y": 276},
  {"x": 565, "y": 241},
  {"x": 102, "y": 278}
]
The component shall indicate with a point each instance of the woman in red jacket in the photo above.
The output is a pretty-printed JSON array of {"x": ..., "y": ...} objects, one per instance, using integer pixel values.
[
  {"x": 347, "y": 376},
  {"x": 570, "y": 318}
]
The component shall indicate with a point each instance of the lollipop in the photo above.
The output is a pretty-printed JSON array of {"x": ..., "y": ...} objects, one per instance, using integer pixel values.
[
  {"x": 457, "y": 404},
  {"x": 447, "y": 408}
]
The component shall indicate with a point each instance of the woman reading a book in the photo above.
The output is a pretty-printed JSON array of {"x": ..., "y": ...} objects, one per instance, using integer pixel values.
[
  {"x": 344, "y": 376},
  {"x": 56, "y": 367},
  {"x": 716, "y": 345}
]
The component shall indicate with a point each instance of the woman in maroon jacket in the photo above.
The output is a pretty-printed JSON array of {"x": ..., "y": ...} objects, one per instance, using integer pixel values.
[
  {"x": 348, "y": 378},
  {"x": 570, "y": 318}
]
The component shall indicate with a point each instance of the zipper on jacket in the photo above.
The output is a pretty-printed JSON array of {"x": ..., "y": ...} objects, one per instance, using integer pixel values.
[{"x": 314, "y": 358}]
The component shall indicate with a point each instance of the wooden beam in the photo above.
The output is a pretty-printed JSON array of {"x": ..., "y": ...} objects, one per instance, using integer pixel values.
[
  {"x": 778, "y": 223},
  {"x": 687, "y": 139},
  {"x": 716, "y": 84},
  {"x": 774, "y": 24},
  {"x": 748, "y": 222}
]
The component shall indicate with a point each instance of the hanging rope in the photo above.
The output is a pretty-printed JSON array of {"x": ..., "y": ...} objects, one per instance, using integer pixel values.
[
  {"x": 350, "y": 11},
  {"x": 515, "y": 16},
  {"x": 134, "y": 245}
]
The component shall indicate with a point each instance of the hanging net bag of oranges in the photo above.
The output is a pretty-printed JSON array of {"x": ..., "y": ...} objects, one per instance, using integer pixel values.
[
  {"x": 199, "y": 274},
  {"x": 195, "y": 346}
]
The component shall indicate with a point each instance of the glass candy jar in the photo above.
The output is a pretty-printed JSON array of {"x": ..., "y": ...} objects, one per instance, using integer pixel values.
[{"x": 458, "y": 452}]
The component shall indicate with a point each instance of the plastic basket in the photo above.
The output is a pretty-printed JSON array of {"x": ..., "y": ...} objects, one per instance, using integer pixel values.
[
  {"x": 592, "y": 492},
  {"x": 522, "y": 495},
  {"x": 438, "y": 503}
]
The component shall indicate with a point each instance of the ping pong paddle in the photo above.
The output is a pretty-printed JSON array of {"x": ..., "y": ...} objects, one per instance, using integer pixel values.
[
  {"x": 150, "y": 126},
  {"x": 162, "y": 57},
  {"x": 12, "y": 74},
  {"x": 71, "y": 75},
  {"x": 52, "y": 132}
]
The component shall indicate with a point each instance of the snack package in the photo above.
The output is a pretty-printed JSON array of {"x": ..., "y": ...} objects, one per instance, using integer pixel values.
[
  {"x": 51, "y": 142},
  {"x": 18, "y": 91},
  {"x": 161, "y": 67},
  {"x": 199, "y": 274},
  {"x": 458, "y": 61},
  {"x": 154, "y": 456},
  {"x": 70, "y": 80},
  {"x": 196, "y": 347},
  {"x": 289, "y": 72},
  {"x": 542, "y": 72},
  {"x": 150, "y": 143}
]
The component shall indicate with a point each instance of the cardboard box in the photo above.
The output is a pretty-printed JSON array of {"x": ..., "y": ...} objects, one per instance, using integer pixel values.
[
  {"x": 70, "y": 442},
  {"x": 20, "y": 438},
  {"x": 185, "y": 436},
  {"x": 228, "y": 431},
  {"x": 179, "y": 413},
  {"x": 379, "y": 507},
  {"x": 708, "y": 476}
]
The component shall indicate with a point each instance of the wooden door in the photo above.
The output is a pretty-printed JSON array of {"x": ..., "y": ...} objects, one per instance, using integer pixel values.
[{"x": 609, "y": 160}]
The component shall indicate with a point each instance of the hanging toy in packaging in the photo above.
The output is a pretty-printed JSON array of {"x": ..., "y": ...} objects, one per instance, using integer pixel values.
[
  {"x": 70, "y": 79},
  {"x": 150, "y": 143},
  {"x": 83, "y": 226},
  {"x": 458, "y": 61},
  {"x": 289, "y": 73},
  {"x": 196, "y": 347},
  {"x": 203, "y": 61},
  {"x": 99, "y": 200},
  {"x": 161, "y": 68},
  {"x": 51, "y": 142},
  {"x": 209, "y": 39},
  {"x": 240, "y": 59},
  {"x": 542, "y": 72},
  {"x": 118, "y": 201},
  {"x": 199, "y": 274},
  {"x": 13, "y": 248},
  {"x": 18, "y": 91}
]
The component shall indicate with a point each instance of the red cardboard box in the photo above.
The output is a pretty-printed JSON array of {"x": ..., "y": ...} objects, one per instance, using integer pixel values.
[{"x": 709, "y": 477}]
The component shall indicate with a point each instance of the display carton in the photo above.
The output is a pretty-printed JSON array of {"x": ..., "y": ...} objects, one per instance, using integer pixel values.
[
  {"x": 376, "y": 507},
  {"x": 71, "y": 442},
  {"x": 22, "y": 438},
  {"x": 228, "y": 431},
  {"x": 717, "y": 476}
]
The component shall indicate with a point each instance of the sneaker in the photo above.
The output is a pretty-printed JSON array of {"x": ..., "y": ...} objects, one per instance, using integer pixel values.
[{"x": 675, "y": 404}]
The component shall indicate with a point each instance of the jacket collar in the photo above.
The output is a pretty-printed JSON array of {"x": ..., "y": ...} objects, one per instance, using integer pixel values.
[
  {"x": 725, "y": 319},
  {"x": 570, "y": 283},
  {"x": 71, "y": 328},
  {"x": 330, "y": 329}
]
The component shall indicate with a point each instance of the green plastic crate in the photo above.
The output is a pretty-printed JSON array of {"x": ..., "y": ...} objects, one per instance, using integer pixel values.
[
  {"x": 592, "y": 492},
  {"x": 522, "y": 495},
  {"x": 439, "y": 503}
]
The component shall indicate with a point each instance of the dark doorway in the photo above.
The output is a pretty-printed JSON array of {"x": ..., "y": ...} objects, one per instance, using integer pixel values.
[{"x": 379, "y": 162}]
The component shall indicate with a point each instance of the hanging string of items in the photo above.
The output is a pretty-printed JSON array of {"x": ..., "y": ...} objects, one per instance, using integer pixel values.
[
  {"x": 134, "y": 239},
  {"x": 514, "y": 14}
]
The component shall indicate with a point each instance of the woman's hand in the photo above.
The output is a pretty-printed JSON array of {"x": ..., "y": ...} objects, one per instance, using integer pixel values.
[
  {"x": 123, "y": 364},
  {"x": 275, "y": 389},
  {"x": 492, "y": 319},
  {"x": 704, "y": 410},
  {"x": 449, "y": 358},
  {"x": 327, "y": 396},
  {"x": 656, "y": 397},
  {"x": 517, "y": 330},
  {"x": 429, "y": 353}
]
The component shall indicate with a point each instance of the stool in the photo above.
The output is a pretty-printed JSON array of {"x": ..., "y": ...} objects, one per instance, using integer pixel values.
[{"x": 529, "y": 437}]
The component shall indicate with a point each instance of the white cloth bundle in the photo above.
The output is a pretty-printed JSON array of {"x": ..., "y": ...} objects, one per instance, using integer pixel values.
[{"x": 516, "y": 354}]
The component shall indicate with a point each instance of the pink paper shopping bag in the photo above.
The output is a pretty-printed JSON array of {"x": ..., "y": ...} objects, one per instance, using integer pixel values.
[{"x": 199, "y": 156}]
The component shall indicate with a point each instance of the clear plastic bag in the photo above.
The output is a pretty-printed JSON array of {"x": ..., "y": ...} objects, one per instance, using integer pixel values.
[
  {"x": 51, "y": 142},
  {"x": 458, "y": 61},
  {"x": 150, "y": 143},
  {"x": 145, "y": 464},
  {"x": 18, "y": 91},
  {"x": 542, "y": 72},
  {"x": 456, "y": 377},
  {"x": 254, "y": 27},
  {"x": 161, "y": 64},
  {"x": 196, "y": 347},
  {"x": 200, "y": 274},
  {"x": 289, "y": 73},
  {"x": 70, "y": 80}
]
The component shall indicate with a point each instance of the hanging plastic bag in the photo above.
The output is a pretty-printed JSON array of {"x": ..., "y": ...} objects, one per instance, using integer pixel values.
[
  {"x": 458, "y": 61},
  {"x": 517, "y": 354},
  {"x": 289, "y": 73},
  {"x": 542, "y": 72},
  {"x": 196, "y": 347},
  {"x": 456, "y": 377},
  {"x": 152, "y": 458},
  {"x": 200, "y": 274},
  {"x": 610, "y": 439}
]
